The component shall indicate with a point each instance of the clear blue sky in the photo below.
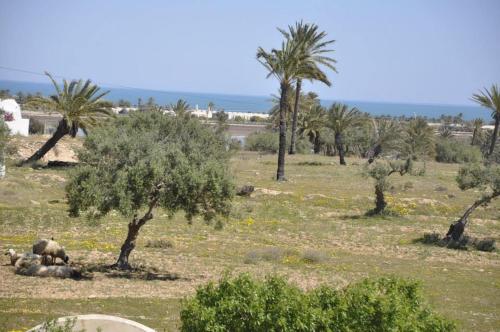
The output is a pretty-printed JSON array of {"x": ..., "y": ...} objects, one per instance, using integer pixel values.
[{"x": 422, "y": 51}]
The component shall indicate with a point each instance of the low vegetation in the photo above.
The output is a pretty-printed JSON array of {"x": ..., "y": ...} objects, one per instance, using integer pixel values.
[{"x": 245, "y": 304}]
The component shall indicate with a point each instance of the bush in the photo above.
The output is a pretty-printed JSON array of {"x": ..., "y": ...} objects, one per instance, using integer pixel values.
[
  {"x": 452, "y": 151},
  {"x": 36, "y": 127},
  {"x": 262, "y": 141},
  {"x": 245, "y": 304}
]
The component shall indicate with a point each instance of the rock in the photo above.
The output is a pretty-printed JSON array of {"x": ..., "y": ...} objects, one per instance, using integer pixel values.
[{"x": 245, "y": 191}]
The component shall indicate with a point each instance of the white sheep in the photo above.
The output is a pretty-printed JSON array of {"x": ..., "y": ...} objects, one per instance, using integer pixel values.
[
  {"x": 50, "y": 248},
  {"x": 27, "y": 268}
]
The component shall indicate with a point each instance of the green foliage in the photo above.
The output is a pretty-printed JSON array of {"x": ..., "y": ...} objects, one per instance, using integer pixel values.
[
  {"x": 418, "y": 139},
  {"x": 4, "y": 139},
  {"x": 36, "y": 126},
  {"x": 245, "y": 304},
  {"x": 480, "y": 177},
  {"x": 79, "y": 103},
  {"x": 54, "y": 326},
  {"x": 262, "y": 141},
  {"x": 452, "y": 151},
  {"x": 147, "y": 158},
  {"x": 268, "y": 142}
]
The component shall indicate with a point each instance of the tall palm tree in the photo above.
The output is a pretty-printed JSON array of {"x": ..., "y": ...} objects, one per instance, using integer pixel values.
[
  {"x": 313, "y": 121},
  {"x": 490, "y": 99},
  {"x": 283, "y": 64},
  {"x": 313, "y": 48},
  {"x": 79, "y": 103},
  {"x": 478, "y": 124},
  {"x": 340, "y": 118}
]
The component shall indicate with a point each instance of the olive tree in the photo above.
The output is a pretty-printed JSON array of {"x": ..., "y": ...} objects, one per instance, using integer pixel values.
[
  {"x": 485, "y": 179},
  {"x": 380, "y": 170},
  {"x": 147, "y": 161}
]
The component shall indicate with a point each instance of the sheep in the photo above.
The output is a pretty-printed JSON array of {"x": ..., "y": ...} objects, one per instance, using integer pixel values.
[
  {"x": 50, "y": 248},
  {"x": 13, "y": 256},
  {"x": 16, "y": 259},
  {"x": 27, "y": 268}
]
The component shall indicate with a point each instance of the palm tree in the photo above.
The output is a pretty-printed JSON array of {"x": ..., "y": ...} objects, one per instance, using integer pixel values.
[
  {"x": 283, "y": 64},
  {"x": 418, "y": 139},
  {"x": 79, "y": 103},
  {"x": 340, "y": 118},
  {"x": 312, "y": 47},
  {"x": 490, "y": 99},
  {"x": 386, "y": 136},
  {"x": 313, "y": 121},
  {"x": 180, "y": 107},
  {"x": 478, "y": 124}
]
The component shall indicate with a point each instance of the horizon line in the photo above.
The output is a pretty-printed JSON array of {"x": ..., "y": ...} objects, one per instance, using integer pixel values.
[{"x": 121, "y": 87}]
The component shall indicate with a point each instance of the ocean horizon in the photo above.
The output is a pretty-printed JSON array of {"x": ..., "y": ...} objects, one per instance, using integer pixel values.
[{"x": 259, "y": 104}]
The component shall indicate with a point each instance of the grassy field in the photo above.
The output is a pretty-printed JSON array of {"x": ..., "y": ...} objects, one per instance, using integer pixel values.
[{"x": 311, "y": 229}]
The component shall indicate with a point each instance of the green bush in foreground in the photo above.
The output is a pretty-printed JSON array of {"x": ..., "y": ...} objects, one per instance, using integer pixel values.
[{"x": 246, "y": 304}]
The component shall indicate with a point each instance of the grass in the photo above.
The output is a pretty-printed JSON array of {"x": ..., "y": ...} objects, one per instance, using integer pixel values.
[{"x": 311, "y": 228}]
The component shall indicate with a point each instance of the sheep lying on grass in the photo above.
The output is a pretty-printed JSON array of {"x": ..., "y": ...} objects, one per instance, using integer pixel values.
[
  {"x": 29, "y": 268},
  {"x": 16, "y": 259},
  {"x": 50, "y": 248}
]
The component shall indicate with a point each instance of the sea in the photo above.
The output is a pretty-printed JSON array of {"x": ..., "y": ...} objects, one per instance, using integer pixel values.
[{"x": 259, "y": 104}]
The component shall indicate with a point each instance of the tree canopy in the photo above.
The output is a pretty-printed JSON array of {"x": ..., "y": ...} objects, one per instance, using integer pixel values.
[{"x": 150, "y": 160}]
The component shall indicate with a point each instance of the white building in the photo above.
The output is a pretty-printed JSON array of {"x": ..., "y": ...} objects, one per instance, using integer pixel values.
[{"x": 19, "y": 125}]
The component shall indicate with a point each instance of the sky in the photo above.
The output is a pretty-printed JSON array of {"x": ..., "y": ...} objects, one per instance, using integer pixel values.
[{"x": 412, "y": 51}]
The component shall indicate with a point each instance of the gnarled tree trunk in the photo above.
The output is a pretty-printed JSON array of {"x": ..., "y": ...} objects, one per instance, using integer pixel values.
[
  {"x": 280, "y": 174},
  {"x": 133, "y": 231},
  {"x": 456, "y": 229},
  {"x": 380, "y": 202},
  {"x": 374, "y": 152},
  {"x": 62, "y": 130},
  {"x": 293, "y": 139}
]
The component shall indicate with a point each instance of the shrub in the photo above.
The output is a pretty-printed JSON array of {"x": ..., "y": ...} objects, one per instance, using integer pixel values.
[
  {"x": 36, "y": 127},
  {"x": 262, "y": 141},
  {"x": 452, "y": 151},
  {"x": 246, "y": 304}
]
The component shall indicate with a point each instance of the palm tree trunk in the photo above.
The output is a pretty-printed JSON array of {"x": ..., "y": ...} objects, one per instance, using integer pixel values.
[
  {"x": 133, "y": 231},
  {"x": 61, "y": 131},
  {"x": 280, "y": 174},
  {"x": 494, "y": 136},
  {"x": 340, "y": 148},
  {"x": 317, "y": 144},
  {"x": 457, "y": 229},
  {"x": 295, "y": 116},
  {"x": 474, "y": 133}
]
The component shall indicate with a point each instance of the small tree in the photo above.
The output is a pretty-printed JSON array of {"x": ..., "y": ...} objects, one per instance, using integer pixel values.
[
  {"x": 147, "y": 161},
  {"x": 380, "y": 170},
  {"x": 4, "y": 138},
  {"x": 485, "y": 179}
]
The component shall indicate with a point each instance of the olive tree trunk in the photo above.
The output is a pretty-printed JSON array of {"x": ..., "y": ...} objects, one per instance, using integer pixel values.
[
  {"x": 280, "y": 174},
  {"x": 494, "y": 136},
  {"x": 380, "y": 202},
  {"x": 456, "y": 229},
  {"x": 340, "y": 148},
  {"x": 133, "y": 231},
  {"x": 61, "y": 131},
  {"x": 293, "y": 139}
]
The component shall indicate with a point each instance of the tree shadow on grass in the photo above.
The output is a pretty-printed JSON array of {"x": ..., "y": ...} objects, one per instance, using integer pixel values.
[{"x": 134, "y": 273}]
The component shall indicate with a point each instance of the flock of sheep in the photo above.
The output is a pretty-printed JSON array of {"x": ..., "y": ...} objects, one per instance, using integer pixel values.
[{"x": 41, "y": 261}]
